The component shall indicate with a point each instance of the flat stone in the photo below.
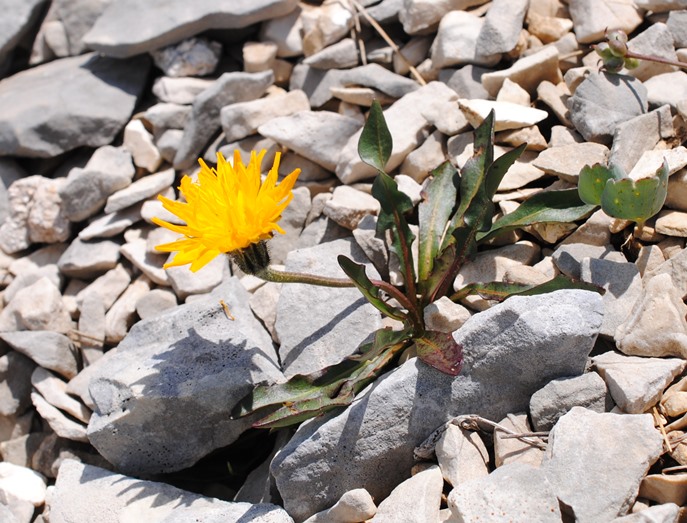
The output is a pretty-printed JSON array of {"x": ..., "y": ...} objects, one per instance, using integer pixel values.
[
  {"x": 186, "y": 283},
  {"x": 515, "y": 492},
  {"x": 324, "y": 25},
  {"x": 218, "y": 349},
  {"x": 54, "y": 390},
  {"x": 555, "y": 399},
  {"x": 556, "y": 98},
  {"x": 20, "y": 450},
  {"x": 108, "y": 286},
  {"x": 491, "y": 265},
  {"x": 18, "y": 19},
  {"x": 368, "y": 447},
  {"x": 340, "y": 55},
  {"x": 603, "y": 101},
  {"x": 164, "y": 116},
  {"x": 568, "y": 257},
  {"x": 677, "y": 191},
  {"x": 348, "y": 206},
  {"x": 623, "y": 286},
  {"x": 502, "y": 26},
  {"x": 121, "y": 316},
  {"x": 149, "y": 263},
  {"x": 445, "y": 315},
  {"x": 86, "y": 190},
  {"x": 651, "y": 161},
  {"x": 567, "y": 161},
  {"x": 658, "y": 41},
  {"x": 547, "y": 28},
  {"x": 313, "y": 337},
  {"x": 320, "y": 135},
  {"x": 292, "y": 221},
  {"x": 243, "y": 119},
  {"x": 285, "y": 31},
  {"x": 587, "y": 468},
  {"x": 38, "y": 306},
  {"x": 87, "y": 260},
  {"x": 507, "y": 115},
  {"x": 664, "y": 488},
  {"x": 51, "y": 350},
  {"x": 656, "y": 325},
  {"x": 636, "y": 384},
  {"x": 182, "y": 91},
  {"x": 354, "y": 505},
  {"x": 15, "y": 387},
  {"x": 428, "y": 156},
  {"x": 82, "y": 490},
  {"x": 457, "y": 39},
  {"x": 63, "y": 426},
  {"x": 190, "y": 57},
  {"x": 512, "y": 450},
  {"x": 672, "y": 223},
  {"x": 74, "y": 120},
  {"x": 155, "y": 302},
  {"x": 416, "y": 499},
  {"x": 640, "y": 134},
  {"x": 139, "y": 142},
  {"x": 204, "y": 121},
  {"x": 649, "y": 258},
  {"x": 530, "y": 136},
  {"x": 91, "y": 328},
  {"x": 140, "y": 190},
  {"x": 14, "y": 231},
  {"x": 411, "y": 118},
  {"x": 420, "y": 15},
  {"x": 126, "y": 28},
  {"x": 664, "y": 513},
  {"x": 528, "y": 72},
  {"x": 109, "y": 225},
  {"x": 591, "y": 19},
  {"x": 466, "y": 81},
  {"x": 462, "y": 456}
]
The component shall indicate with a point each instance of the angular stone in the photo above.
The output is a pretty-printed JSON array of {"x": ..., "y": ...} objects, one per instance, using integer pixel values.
[
  {"x": 348, "y": 206},
  {"x": 320, "y": 135},
  {"x": 108, "y": 286},
  {"x": 651, "y": 161},
  {"x": 285, "y": 31},
  {"x": 82, "y": 490},
  {"x": 201, "y": 340},
  {"x": 51, "y": 350},
  {"x": 325, "y": 25},
  {"x": 568, "y": 257},
  {"x": 416, "y": 499},
  {"x": 204, "y": 121},
  {"x": 87, "y": 260},
  {"x": 587, "y": 468},
  {"x": 555, "y": 399},
  {"x": 313, "y": 337},
  {"x": 515, "y": 492},
  {"x": 139, "y": 142},
  {"x": 672, "y": 223},
  {"x": 354, "y": 505},
  {"x": 18, "y": 19},
  {"x": 340, "y": 55},
  {"x": 456, "y": 42},
  {"x": 636, "y": 384},
  {"x": 36, "y": 307},
  {"x": 243, "y": 119},
  {"x": 656, "y": 325},
  {"x": 141, "y": 189},
  {"x": 109, "y": 225},
  {"x": 63, "y": 426},
  {"x": 513, "y": 450},
  {"x": 423, "y": 160},
  {"x": 603, "y": 101},
  {"x": 518, "y": 333},
  {"x": 186, "y": 283},
  {"x": 155, "y": 302},
  {"x": 149, "y": 263},
  {"x": 623, "y": 287},
  {"x": 292, "y": 221},
  {"x": 15, "y": 385},
  {"x": 491, "y": 265},
  {"x": 665, "y": 488},
  {"x": 657, "y": 41},
  {"x": 528, "y": 72},
  {"x": 592, "y": 18},
  {"x": 54, "y": 390},
  {"x": 502, "y": 26},
  {"x": 462, "y": 456},
  {"x": 121, "y": 316},
  {"x": 22, "y": 483},
  {"x": 445, "y": 315},
  {"x": 180, "y": 90},
  {"x": 664, "y": 513},
  {"x": 640, "y": 134},
  {"x": 74, "y": 120},
  {"x": 191, "y": 57},
  {"x": 466, "y": 81},
  {"x": 127, "y": 28},
  {"x": 507, "y": 115}
]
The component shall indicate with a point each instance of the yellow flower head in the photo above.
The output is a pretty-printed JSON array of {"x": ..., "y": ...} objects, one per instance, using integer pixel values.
[{"x": 227, "y": 210}]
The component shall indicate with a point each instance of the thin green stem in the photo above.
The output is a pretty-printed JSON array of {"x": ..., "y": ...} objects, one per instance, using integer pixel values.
[
  {"x": 273, "y": 275},
  {"x": 656, "y": 59}
]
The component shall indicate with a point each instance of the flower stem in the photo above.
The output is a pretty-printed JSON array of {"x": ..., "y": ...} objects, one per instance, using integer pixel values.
[{"x": 270, "y": 274}]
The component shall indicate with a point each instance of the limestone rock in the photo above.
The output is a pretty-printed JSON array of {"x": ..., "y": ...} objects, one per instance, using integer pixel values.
[{"x": 416, "y": 499}]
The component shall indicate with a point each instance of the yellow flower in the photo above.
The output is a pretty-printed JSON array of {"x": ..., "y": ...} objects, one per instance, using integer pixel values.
[{"x": 227, "y": 210}]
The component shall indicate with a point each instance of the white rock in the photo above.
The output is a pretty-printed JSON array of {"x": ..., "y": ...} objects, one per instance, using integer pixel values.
[
  {"x": 591, "y": 18},
  {"x": 651, "y": 161},
  {"x": 419, "y": 15},
  {"x": 108, "y": 286},
  {"x": 513, "y": 93},
  {"x": 635, "y": 383},
  {"x": 180, "y": 90},
  {"x": 348, "y": 206},
  {"x": 462, "y": 456},
  {"x": 456, "y": 42},
  {"x": 259, "y": 56},
  {"x": 491, "y": 265},
  {"x": 507, "y": 115},
  {"x": 285, "y": 31},
  {"x": 325, "y": 25},
  {"x": 354, "y": 505},
  {"x": 428, "y": 156},
  {"x": 528, "y": 72},
  {"x": 671, "y": 223},
  {"x": 121, "y": 315},
  {"x": 513, "y": 450},
  {"x": 155, "y": 302},
  {"x": 54, "y": 391},
  {"x": 109, "y": 225},
  {"x": 416, "y": 499},
  {"x": 61, "y": 424},
  {"x": 139, "y": 142},
  {"x": 444, "y": 315},
  {"x": 148, "y": 263},
  {"x": 567, "y": 161},
  {"x": 186, "y": 283},
  {"x": 22, "y": 483},
  {"x": 141, "y": 189},
  {"x": 37, "y": 307},
  {"x": 502, "y": 26}
]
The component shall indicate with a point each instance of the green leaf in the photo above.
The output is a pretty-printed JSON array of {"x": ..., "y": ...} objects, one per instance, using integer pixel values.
[
  {"x": 636, "y": 200},
  {"x": 498, "y": 169},
  {"x": 544, "y": 207},
  {"x": 356, "y": 272},
  {"x": 439, "y": 199},
  {"x": 440, "y": 350},
  {"x": 375, "y": 144},
  {"x": 592, "y": 181},
  {"x": 394, "y": 205}
]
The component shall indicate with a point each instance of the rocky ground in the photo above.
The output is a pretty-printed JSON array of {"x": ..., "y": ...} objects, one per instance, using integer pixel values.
[{"x": 117, "y": 377}]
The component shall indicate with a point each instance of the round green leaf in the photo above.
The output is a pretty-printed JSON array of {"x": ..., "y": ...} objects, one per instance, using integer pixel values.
[
  {"x": 636, "y": 200},
  {"x": 592, "y": 181}
]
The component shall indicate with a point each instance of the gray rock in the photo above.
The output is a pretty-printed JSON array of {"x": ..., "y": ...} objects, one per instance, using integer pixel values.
[
  {"x": 91, "y": 327},
  {"x": 155, "y": 302},
  {"x": 74, "y": 120},
  {"x": 514, "y": 492},
  {"x": 243, "y": 119},
  {"x": 677, "y": 25},
  {"x": 566, "y": 161},
  {"x": 180, "y": 91},
  {"x": 144, "y": 410},
  {"x": 641, "y": 133},
  {"x": 635, "y": 383},
  {"x": 667, "y": 88},
  {"x": 285, "y": 31},
  {"x": 676, "y": 267},
  {"x": 568, "y": 257},
  {"x": 592, "y": 18},
  {"x": 419, "y": 15},
  {"x": 87, "y": 260},
  {"x": 108, "y": 286},
  {"x": 141, "y": 189},
  {"x": 127, "y": 28},
  {"x": 457, "y": 39},
  {"x": 623, "y": 286},
  {"x": 15, "y": 383},
  {"x": 18, "y": 19},
  {"x": 349, "y": 206},
  {"x": 191, "y": 57},
  {"x": 354, "y": 505},
  {"x": 341, "y": 55},
  {"x": 292, "y": 221},
  {"x": 461, "y": 455},
  {"x": 663, "y": 513},
  {"x": 10, "y": 172},
  {"x": 556, "y": 398},
  {"x": 186, "y": 283},
  {"x": 502, "y": 26},
  {"x": 466, "y": 81},
  {"x": 14, "y": 231},
  {"x": 164, "y": 116},
  {"x": 656, "y": 40},
  {"x": 77, "y": 17},
  {"x": 416, "y": 499},
  {"x": 51, "y": 350},
  {"x": 513, "y": 450},
  {"x": 122, "y": 314},
  {"x": 54, "y": 390},
  {"x": 589, "y": 471},
  {"x": 149, "y": 263},
  {"x": 86, "y": 191},
  {"x": 528, "y": 72},
  {"x": 109, "y": 225},
  {"x": 36, "y": 307},
  {"x": 139, "y": 142},
  {"x": 603, "y": 101},
  {"x": 82, "y": 490},
  {"x": 537, "y": 338},
  {"x": 29, "y": 277},
  {"x": 204, "y": 122},
  {"x": 318, "y": 136},
  {"x": 313, "y": 337}
]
